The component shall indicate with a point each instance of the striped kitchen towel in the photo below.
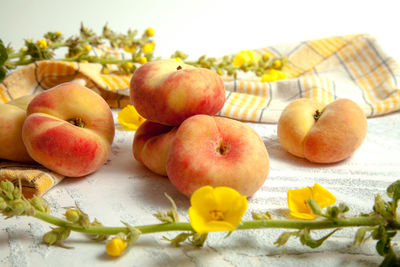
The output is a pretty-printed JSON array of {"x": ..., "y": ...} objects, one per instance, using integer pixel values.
[
  {"x": 351, "y": 66},
  {"x": 35, "y": 179}
]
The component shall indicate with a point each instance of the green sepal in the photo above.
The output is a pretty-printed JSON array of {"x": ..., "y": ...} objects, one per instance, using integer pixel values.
[
  {"x": 307, "y": 240},
  {"x": 3, "y": 53}
]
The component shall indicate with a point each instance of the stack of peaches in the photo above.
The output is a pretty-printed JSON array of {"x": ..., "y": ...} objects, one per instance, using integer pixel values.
[
  {"x": 69, "y": 129},
  {"x": 184, "y": 140}
]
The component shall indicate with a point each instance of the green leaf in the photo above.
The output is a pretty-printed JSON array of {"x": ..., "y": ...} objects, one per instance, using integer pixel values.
[
  {"x": 133, "y": 234},
  {"x": 198, "y": 239},
  {"x": 393, "y": 191},
  {"x": 360, "y": 235},
  {"x": 307, "y": 240},
  {"x": 390, "y": 260},
  {"x": 284, "y": 237},
  {"x": 3, "y": 53},
  {"x": 179, "y": 238},
  {"x": 3, "y": 73}
]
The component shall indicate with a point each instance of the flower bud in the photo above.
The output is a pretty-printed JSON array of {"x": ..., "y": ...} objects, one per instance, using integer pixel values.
[
  {"x": 17, "y": 193},
  {"x": 72, "y": 215},
  {"x": 39, "y": 204},
  {"x": 7, "y": 186},
  {"x": 3, "y": 204},
  {"x": 314, "y": 207},
  {"x": 19, "y": 206},
  {"x": 116, "y": 246},
  {"x": 50, "y": 237},
  {"x": 261, "y": 216},
  {"x": 150, "y": 31}
]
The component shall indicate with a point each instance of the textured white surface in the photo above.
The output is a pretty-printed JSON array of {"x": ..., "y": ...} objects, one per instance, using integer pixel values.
[{"x": 125, "y": 191}]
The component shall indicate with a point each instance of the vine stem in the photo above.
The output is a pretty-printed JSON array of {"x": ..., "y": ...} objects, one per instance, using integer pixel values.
[{"x": 182, "y": 226}]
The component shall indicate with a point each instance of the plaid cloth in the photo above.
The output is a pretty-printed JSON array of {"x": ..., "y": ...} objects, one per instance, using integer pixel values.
[
  {"x": 35, "y": 180},
  {"x": 352, "y": 66}
]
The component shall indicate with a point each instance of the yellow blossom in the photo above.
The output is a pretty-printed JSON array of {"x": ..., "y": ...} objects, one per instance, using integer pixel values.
[
  {"x": 41, "y": 43},
  {"x": 178, "y": 59},
  {"x": 58, "y": 33},
  {"x": 130, "y": 48},
  {"x": 277, "y": 64},
  {"x": 128, "y": 65},
  {"x": 150, "y": 31},
  {"x": 273, "y": 75},
  {"x": 297, "y": 200},
  {"x": 87, "y": 48},
  {"x": 116, "y": 246},
  {"x": 148, "y": 48},
  {"x": 142, "y": 60},
  {"x": 130, "y": 118},
  {"x": 216, "y": 209},
  {"x": 72, "y": 215},
  {"x": 266, "y": 56},
  {"x": 245, "y": 56}
]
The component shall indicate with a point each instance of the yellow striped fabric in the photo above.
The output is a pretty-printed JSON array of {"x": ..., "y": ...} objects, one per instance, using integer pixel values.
[
  {"x": 351, "y": 66},
  {"x": 35, "y": 179}
]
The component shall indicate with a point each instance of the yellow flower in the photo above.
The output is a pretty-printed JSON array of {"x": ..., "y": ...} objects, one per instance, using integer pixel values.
[
  {"x": 245, "y": 56},
  {"x": 72, "y": 215},
  {"x": 148, "y": 48},
  {"x": 216, "y": 209},
  {"x": 142, "y": 60},
  {"x": 266, "y": 56},
  {"x": 41, "y": 43},
  {"x": 128, "y": 65},
  {"x": 130, "y": 118},
  {"x": 130, "y": 48},
  {"x": 116, "y": 246},
  {"x": 87, "y": 48},
  {"x": 297, "y": 200},
  {"x": 277, "y": 64},
  {"x": 150, "y": 31},
  {"x": 273, "y": 75}
]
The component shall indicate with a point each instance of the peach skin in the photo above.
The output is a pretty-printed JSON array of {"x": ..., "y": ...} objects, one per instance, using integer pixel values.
[
  {"x": 319, "y": 133},
  {"x": 217, "y": 151},
  {"x": 69, "y": 129},
  {"x": 169, "y": 91},
  {"x": 151, "y": 145},
  {"x": 12, "y": 117}
]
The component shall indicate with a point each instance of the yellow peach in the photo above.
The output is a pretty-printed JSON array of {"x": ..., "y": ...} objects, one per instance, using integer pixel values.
[
  {"x": 217, "y": 151},
  {"x": 319, "y": 133},
  {"x": 69, "y": 129},
  {"x": 151, "y": 145},
  {"x": 12, "y": 117},
  {"x": 169, "y": 91}
]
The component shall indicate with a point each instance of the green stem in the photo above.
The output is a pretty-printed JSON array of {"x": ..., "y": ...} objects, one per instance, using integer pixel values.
[
  {"x": 145, "y": 229},
  {"x": 181, "y": 226},
  {"x": 312, "y": 225}
]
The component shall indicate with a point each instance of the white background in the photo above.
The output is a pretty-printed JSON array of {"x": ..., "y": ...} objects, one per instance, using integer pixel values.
[{"x": 207, "y": 27}]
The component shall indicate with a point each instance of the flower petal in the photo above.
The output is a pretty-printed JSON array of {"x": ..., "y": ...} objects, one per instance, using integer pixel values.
[
  {"x": 297, "y": 200},
  {"x": 130, "y": 118},
  {"x": 322, "y": 196},
  {"x": 224, "y": 200}
]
